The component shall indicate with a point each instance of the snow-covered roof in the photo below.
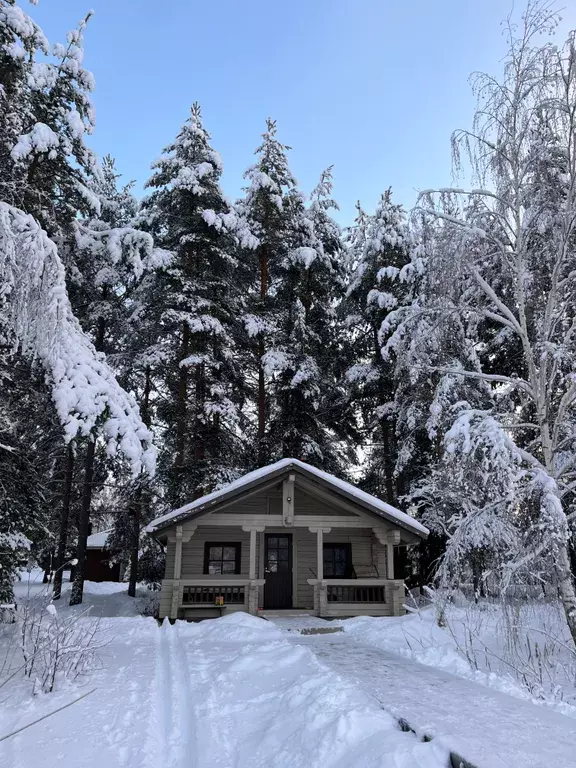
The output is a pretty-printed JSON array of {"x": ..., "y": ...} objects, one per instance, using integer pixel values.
[
  {"x": 98, "y": 540},
  {"x": 203, "y": 504}
]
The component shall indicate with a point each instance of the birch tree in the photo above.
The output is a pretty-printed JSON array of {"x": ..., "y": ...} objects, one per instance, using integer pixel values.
[{"x": 516, "y": 253}]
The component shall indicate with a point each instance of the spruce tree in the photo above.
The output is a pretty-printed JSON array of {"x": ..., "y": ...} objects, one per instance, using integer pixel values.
[
  {"x": 200, "y": 294},
  {"x": 377, "y": 251},
  {"x": 268, "y": 209},
  {"x": 308, "y": 406}
]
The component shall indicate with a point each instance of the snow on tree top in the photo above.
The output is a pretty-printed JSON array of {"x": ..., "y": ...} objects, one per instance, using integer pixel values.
[{"x": 387, "y": 511}]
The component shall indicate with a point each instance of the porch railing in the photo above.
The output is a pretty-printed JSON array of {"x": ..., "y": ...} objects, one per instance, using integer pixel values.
[
  {"x": 194, "y": 595},
  {"x": 191, "y": 592},
  {"x": 355, "y": 594},
  {"x": 340, "y": 597}
]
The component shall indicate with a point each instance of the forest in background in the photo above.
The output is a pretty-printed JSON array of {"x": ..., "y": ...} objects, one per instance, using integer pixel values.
[{"x": 153, "y": 350}]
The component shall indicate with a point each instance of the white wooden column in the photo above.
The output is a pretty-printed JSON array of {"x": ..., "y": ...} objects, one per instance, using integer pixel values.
[
  {"x": 177, "y": 540},
  {"x": 320, "y": 550},
  {"x": 253, "y": 530},
  {"x": 178, "y": 553},
  {"x": 253, "y": 587},
  {"x": 392, "y": 539}
]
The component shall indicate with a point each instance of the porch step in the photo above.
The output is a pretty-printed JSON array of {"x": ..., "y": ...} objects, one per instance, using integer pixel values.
[{"x": 285, "y": 612}]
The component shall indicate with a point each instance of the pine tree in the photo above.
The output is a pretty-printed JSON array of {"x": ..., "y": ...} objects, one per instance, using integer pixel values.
[{"x": 200, "y": 293}]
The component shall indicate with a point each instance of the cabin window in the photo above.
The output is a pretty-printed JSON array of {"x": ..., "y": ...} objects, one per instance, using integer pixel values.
[
  {"x": 337, "y": 561},
  {"x": 222, "y": 558}
]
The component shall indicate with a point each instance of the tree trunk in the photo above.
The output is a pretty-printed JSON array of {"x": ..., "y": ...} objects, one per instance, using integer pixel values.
[
  {"x": 64, "y": 517},
  {"x": 137, "y": 517},
  {"x": 566, "y": 589},
  {"x": 262, "y": 453},
  {"x": 199, "y": 427},
  {"x": 84, "y": 524},
  {"x": 385, "y": 428},
  {"x": 135, "y": 543},
  {"x": 181, "y": 408},
  {"x": 261, "y": 406},
  {"x": 388, "y": 465}
]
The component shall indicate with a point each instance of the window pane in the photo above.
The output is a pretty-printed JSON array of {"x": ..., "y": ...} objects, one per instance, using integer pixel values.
[
  {"x": 229, "y": 553},
  {"x": 340, "y": 569},
  {"x": 272, "y": 543},
  {"x": 283, "y": 554},
  {"x": 283, "y": 542},
  {"x": 340, "y": 553},
  {"x": 328, "y": 569},
  {"x": 272, "y": 567},
  {"x": 215, "y": 553},
  {"x": 229, "y": 566},
  {"x": 214, "y": 568},
  {"x": 273, "y": 555}
]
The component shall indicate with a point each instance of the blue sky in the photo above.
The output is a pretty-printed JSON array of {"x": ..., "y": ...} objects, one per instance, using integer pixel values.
[{"x": 374, "y": 87}]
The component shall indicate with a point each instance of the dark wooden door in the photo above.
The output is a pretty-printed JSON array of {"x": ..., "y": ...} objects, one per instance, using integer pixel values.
[{"x": 278, "y": 570}]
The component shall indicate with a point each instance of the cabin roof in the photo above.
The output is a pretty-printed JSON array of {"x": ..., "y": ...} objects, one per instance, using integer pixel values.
[
  {"x": 98, "y": 540},
  {"x": 340, "y": 487}
]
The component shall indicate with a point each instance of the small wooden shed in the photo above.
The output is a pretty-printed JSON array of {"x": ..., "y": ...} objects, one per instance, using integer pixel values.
[
  {"x": 99, "y": 566},
  {"x": 284, "y": 537}
]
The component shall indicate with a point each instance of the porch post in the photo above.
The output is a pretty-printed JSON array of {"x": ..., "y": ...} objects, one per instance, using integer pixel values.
[
  {"x": 320, "y": 553},
  {"x": 252, "y": 575},
  {"x": 392, "y": 538},
  {"x": 178, "y": 539},
  {"x": 252, "y": 571},
  {"x": 320, "y": 597}
]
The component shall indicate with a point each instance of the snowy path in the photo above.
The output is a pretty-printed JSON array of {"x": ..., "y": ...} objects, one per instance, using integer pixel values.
[
  {"x": 487, "y": 727},
  {"x": 228, "y": 693}
]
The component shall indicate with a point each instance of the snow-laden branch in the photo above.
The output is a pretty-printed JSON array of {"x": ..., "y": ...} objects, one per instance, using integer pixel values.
[
  {"x": 492, "y": 295},
  {"x": 38, "y": 314},
  {"x": 515, "y": 382}
]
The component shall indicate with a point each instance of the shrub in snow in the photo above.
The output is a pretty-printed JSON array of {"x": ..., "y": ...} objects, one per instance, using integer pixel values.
[{"x": 54, "y": 649}]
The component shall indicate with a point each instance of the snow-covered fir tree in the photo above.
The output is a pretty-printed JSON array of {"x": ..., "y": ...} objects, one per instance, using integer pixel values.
[
  {"x": 267, "y": 210},
  {"x": 377, "y": 251},
  {"x": 44, "y": 116},
  {"x": 201, "y": 296},
  {"x": 309, "y": 416}
]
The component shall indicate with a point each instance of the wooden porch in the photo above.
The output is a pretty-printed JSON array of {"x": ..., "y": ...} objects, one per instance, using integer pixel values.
[{"x": 285, "y": 570}]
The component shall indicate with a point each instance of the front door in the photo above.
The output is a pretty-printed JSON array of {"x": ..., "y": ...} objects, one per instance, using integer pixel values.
[{"x": 278, "y": 570}]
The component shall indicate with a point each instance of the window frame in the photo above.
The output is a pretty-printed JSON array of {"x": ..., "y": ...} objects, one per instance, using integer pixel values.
[
  {"x": 237, "y": 559},
  {"x": 349, "y": 567}
]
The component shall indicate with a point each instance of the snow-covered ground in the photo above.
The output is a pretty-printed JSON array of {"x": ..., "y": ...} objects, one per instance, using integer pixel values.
[
  {"x": 488, "y": 728},
  {"x": 106, "y": 598},
  {"x": 240, "y": 692},
  {"x": 525, "y": 651},
  {"x": 232, "y": 692}
]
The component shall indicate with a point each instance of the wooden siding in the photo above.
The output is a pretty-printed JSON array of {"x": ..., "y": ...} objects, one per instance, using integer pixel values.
[
  {"x": 269, "y": 502},
  {"x": 193, "y": 550}
]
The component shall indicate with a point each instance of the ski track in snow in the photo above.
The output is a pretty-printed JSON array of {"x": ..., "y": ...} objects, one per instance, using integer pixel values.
[{"x": 240, "y": 693}]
